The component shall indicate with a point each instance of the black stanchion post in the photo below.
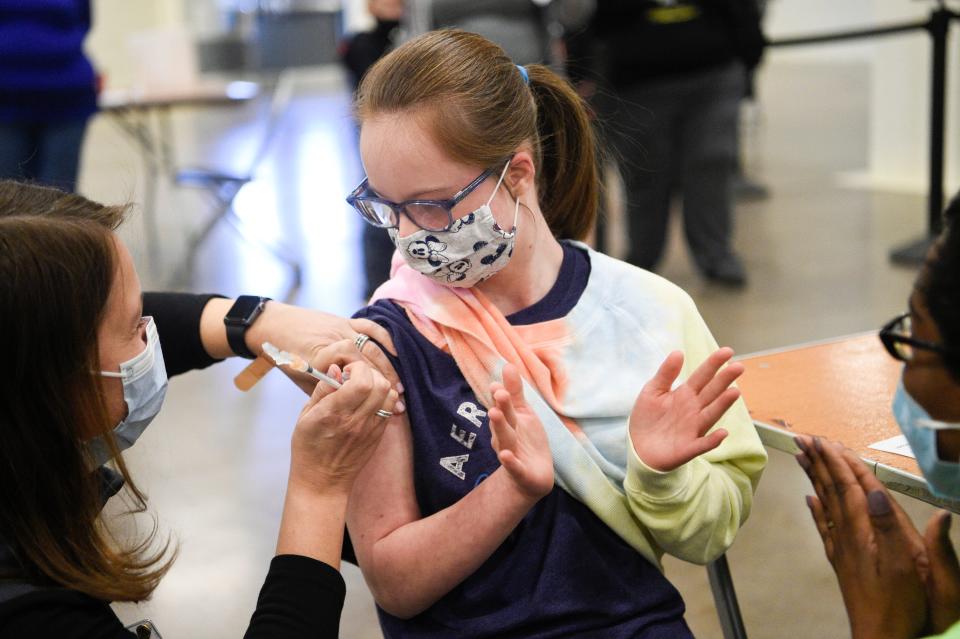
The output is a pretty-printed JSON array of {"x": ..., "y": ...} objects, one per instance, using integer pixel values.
[{"x": 939, "y": 29}]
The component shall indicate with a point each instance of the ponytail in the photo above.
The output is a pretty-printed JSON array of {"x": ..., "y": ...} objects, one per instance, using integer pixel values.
[{"x": 569, "y": 176}]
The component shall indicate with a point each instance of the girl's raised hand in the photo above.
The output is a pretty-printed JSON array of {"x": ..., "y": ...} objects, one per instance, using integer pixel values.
[
  {"x": 519, "y": 438},
  {"x": 668, "y": 426}
]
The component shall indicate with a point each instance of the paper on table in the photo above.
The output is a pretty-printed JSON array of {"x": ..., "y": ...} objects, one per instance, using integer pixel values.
[{"x": 897, "y": 445}]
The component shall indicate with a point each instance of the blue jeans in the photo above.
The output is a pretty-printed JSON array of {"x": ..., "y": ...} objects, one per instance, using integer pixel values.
[{"x": 48, "y": 152}]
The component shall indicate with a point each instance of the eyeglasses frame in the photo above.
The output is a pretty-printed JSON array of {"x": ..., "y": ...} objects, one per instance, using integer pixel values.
[
  {"x": 890, "y": 338},
  {"x": 400, "y": 207}
]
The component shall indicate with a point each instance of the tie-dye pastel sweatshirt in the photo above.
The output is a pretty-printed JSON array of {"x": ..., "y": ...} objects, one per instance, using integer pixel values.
[{"x": 582, "y": 373}]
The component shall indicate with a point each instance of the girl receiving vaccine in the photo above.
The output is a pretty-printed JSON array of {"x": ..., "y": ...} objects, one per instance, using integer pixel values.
[{"x": 569, "y": 416}]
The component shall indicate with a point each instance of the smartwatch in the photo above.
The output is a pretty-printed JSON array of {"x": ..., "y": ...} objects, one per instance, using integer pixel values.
[{"x": 239, "y": 318}]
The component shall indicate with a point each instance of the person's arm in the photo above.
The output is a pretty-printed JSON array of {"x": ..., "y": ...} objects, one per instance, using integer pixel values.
[
  {"x": 58, "y": 612},
  {"x": 336, "y": 434},
  {"x": 694, "y": 498},
  {"x": 193, "y": 336},
  {"x": 86, "y": 15},
  {"x": 878, "y": 556},
  {"x": 743, "y": 21},
  {"x": 943, "y": 584},
  {"x": 301, "y": 597},
  {"x": 410, "y": 562},
  {"x": 178, "y": 317}
]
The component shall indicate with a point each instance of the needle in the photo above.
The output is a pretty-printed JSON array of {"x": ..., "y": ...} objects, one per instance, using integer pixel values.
[{"x": 297, "y": 363}]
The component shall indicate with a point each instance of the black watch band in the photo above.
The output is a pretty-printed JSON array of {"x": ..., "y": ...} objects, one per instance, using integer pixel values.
[{"x": 239, "y": 318}]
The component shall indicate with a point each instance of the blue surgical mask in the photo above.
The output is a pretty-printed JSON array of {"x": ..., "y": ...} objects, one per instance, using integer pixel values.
[
  {"x": 920, "y": 429},
  {"x": 144, "y": 387}
]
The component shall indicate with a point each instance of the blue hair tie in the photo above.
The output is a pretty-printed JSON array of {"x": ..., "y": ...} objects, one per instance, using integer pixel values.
[{"x": 523, "y": 72}]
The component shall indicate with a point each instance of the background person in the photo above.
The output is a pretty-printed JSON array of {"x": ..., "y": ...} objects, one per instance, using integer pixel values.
[
  {"x": 48, "y": 89},
  {"x": 358, "y": 54},
  {"x": 674, "y": 75}
]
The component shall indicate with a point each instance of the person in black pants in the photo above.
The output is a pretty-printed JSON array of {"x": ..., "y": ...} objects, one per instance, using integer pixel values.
[
  {"x": 85, "y": 374},
  {"x": 674, "y": 74},
  {"x": 358, "y": 53}
]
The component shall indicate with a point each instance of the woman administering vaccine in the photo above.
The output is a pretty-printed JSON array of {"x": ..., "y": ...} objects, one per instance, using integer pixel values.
[
  {"x": 895, "y": 582},
  {"x": 529, "y": 490},
  {"x": 84, "y": 376}
]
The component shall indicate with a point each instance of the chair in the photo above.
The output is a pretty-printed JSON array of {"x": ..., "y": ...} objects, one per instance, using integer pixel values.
[
  {"x": 223, "y": 188},
  {"x": 725, "y": 598}
]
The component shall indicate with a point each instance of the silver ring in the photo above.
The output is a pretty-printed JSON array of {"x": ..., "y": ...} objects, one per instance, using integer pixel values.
[
  {"x": 831, "y": 525},
  {"x": 384, "y": 413},
  {"x": 360, "y": 341}
]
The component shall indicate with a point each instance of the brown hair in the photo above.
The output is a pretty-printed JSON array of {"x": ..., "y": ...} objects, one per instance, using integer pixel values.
[
  {"x": 939, "y": 281},
  {"x": 480, "y": 110},
  {"x": 57, "y": 264}
]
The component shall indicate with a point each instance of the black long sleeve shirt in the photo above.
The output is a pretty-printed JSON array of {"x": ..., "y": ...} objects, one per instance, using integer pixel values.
[
  {"x": 631, "y": 41},
  {"x": 300, "y": 597}
]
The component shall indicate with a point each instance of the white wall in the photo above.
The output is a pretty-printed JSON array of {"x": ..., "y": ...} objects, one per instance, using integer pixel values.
[
  {"x": 789, "y": 18},
  {"x": 900, "y": 101},
  {"x": 899, "y": 68}
]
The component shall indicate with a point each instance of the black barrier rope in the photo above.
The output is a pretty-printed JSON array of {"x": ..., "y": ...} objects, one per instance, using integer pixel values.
[
  {"x": 850, "y": 35},
  {"x": 938, "y": 27}
]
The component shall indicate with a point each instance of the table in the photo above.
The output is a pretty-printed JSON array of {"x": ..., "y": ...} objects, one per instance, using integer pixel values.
[
  {"x": 840, "y": 389},
  {"x": 132, "y": 111}
]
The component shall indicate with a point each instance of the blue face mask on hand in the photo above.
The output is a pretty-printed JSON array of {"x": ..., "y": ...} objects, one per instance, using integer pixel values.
[
  {"x": 144, "y": 387},
  {"x": 920, "y": 429}
]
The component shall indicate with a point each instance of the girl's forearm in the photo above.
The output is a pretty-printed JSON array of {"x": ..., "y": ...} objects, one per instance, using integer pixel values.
[{"x": 417, "y": 564}]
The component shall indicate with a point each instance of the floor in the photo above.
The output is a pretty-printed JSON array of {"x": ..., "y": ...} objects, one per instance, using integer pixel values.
[{"x": 214, "y": 463}]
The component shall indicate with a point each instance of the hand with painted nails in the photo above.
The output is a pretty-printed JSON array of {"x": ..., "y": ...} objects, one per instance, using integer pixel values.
[
  {"x": 518, "y": 437},
  {"x": 338, "y": 430},
  {"x": 323, "y": 339},
  {"x": 879, "y": 558},
  {"x": 670, "y": 426},
  {"x": 943, "y": 584}
]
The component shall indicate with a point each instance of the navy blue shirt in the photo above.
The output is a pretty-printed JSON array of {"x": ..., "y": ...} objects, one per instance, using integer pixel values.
[{"x": 561, "y": 572}]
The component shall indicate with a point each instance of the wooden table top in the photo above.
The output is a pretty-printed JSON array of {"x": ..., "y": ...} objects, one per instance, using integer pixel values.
[{"x": 841, "y": 390}]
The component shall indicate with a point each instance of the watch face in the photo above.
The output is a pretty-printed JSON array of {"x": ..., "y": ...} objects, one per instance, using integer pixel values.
[{"x": 243, "y": 309}]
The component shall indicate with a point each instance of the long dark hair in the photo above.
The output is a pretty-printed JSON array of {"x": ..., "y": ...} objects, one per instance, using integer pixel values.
[
  {"x": 481, "y": 110},
  {"x": 57, "y": 263},
  {"x": 940, "y": 284}
]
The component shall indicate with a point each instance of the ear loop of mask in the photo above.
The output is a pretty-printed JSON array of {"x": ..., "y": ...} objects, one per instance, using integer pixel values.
[
  {"x": 516, "y": 209},
  {"x": 516, "y": 216}
]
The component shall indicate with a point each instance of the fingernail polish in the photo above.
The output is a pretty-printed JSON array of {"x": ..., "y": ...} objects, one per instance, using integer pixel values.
[
  {"x": 799, "y": 442},
  {"x": 818, "y": 444},
  {"x": 878, "y": 504},
  {"x": 809, "y": 501},
  {"x": 803, "y": 461},
  {"x": 400, "y": 388},
  {"x": 399, "y": 407}
]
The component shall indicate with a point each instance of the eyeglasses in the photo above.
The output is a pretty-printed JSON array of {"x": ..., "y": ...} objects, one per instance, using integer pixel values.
[
  {"x": 897, "y": 338},
  {"x": 429, "y": 215}
]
